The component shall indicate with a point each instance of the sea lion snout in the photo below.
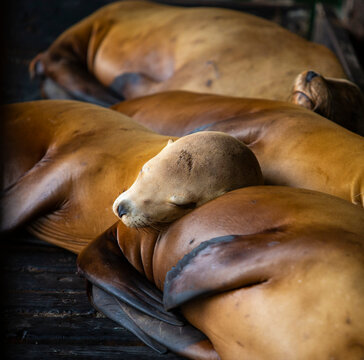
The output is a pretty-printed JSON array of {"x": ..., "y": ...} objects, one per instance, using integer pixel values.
[
  {"x": 336, "y": 99},
  {"x": 121, "y": 206},
  {"x": 121, "y": 210},
  {"x": 310, "y": 75},
  {"x": 310, "y": 91}
]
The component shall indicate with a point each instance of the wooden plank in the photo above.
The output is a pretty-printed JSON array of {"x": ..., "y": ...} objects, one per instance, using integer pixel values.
[
  {"x": 45, "y": 281},
  {"x": 48, "y": 303},
  {"x": 46, "y": 312},
  {"x": 87, "y": 352},
  {"x": 85, "y": 330},
  {"x": 23, "y": 255}
]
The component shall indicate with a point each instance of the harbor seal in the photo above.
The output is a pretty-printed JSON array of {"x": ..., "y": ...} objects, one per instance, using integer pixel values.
[
  {"x": 184, "y": 175},
  {"x": 128, "y": 49}
]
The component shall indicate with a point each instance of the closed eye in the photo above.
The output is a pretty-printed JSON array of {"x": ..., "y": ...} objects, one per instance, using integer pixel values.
[{"x": 190, "y": 205}]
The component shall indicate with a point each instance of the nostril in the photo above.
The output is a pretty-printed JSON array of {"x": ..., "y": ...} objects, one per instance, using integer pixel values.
[
  {"x": 310, "y": 75},
  {"x": 121, "y": 210}
]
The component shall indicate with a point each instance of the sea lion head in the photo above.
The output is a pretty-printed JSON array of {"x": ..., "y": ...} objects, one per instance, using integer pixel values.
[
  {"x": 336, "y": 99},
  {"x": 185, "y": 174}
]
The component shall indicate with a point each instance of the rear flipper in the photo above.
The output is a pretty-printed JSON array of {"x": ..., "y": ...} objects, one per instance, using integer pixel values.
[{"x": 124, "y": 295}]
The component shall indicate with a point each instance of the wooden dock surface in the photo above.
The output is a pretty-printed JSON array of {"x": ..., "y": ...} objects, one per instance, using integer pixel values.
[{"x": 46, "y": 312}]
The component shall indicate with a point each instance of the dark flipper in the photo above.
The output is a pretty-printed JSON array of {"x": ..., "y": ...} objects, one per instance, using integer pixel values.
[
  {"x": 104, "y": 265},
  {"x": 41, "y": 189},
  {"x": 224, "y": 263},
  {"x": 71, "y": 80},
  {"x": 157, "y": 334},
  {"x": 114, "y": 309},
  {"x": 128, "y": 298}
]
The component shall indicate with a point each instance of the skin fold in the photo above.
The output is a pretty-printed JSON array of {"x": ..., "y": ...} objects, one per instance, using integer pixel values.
[
  {"x": 133, "y": 48},
  {"x": 294, "y": 146}
]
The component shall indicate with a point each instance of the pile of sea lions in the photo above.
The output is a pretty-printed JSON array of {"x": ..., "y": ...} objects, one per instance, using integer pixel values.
[{"x": 235, "y": 165}]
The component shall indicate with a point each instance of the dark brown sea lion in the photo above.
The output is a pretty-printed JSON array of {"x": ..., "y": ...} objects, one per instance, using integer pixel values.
[
  {"x": 294, "y": 146},
  {"x": 267, "y": 273},
  {"x": 135, "y": 48}
]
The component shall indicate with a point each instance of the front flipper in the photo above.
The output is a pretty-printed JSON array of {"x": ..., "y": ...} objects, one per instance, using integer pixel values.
[
  {"x": 104, "y": 265},
  {"x": 125, "y": 296},
  {"x": 225, "y": 263},
  {"x": 114, "y": 309},
  {"x": 69, "y": 79}
]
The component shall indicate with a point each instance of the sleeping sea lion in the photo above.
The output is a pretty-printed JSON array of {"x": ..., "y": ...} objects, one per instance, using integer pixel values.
[
  {"x": 265, "y": 272},
  {"x": 66, "y": 198},
  {"x": 294, "y": 146},
  {"x": 184, "y": 175},
  {"x": 65, "y": 164},
  {"x": 68, "y": 161},
  {"x": 129, "y": 49},
  {"x": 336, "y": 99}
]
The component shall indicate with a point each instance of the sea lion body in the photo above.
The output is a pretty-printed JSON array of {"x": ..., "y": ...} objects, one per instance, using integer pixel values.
[
  {"x": 294, "y": 146},
  {"x": 289, "y": 288},
  {"x": 137, "y": 48},
  {"x": 65, "y": 162},
  {"x": 69, "y": 161}
]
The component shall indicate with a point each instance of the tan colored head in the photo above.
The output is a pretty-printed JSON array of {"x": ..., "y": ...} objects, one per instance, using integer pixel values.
[
  {"x": 185, "y": 174},
  {"x": 336, "y": 99}
]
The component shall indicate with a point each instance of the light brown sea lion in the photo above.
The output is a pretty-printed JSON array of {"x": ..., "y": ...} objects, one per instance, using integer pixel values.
[
  {"x": 60, "y": 161},
  {"x": 184, "y": 175},
  {"x": 69, "y": 160},
  {"x": 268, "y": 273},
  {"x": 336, "y": 99},
  {"x": 294, "y": 146},
  {"x": 135, "y": 48}
]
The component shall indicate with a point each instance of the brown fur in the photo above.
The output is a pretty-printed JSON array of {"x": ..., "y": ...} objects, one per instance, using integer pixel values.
[
  {"x": 135, "y": 48},
  {"x": 294, "y": 146}
]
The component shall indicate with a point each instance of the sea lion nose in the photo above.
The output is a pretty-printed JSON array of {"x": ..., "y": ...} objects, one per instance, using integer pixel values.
[
  {"x": 310, "y": 75},
  {"x": 121, "y": 210}
]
